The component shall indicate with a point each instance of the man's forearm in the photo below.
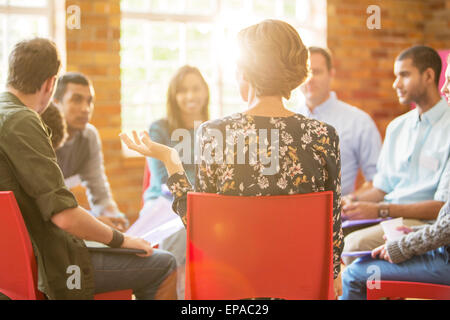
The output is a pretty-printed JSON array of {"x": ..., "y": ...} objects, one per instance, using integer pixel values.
[
  {"x": 425, "y": 210},
  {"x": 81, "y": 224},
  {"x": 371, "y": 195}
]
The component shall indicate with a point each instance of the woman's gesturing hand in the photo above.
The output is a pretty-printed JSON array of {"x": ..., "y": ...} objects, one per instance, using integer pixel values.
[{"x": 145, "y": 146}]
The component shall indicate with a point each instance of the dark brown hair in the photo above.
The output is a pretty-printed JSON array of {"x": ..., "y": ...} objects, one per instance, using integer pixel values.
[
  {"x": 326, "y": 53},
  {"x": 54, "y": 119},
  {"x": 423, "y": 57},
  {"x": 273, "y": 58},
  {"x": 31, "y": 63},
  {"x": 172, "y": 108},
  {"x": 64, "y": 80}
]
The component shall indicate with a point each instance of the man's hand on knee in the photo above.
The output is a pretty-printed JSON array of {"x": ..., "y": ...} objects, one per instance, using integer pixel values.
[{"x": 360, "y": 210}]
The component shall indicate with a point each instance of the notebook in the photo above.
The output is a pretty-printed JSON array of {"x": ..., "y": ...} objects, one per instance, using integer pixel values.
[
  {"x": 356, "y": 253},
  {"x": 353, "y": 223}
]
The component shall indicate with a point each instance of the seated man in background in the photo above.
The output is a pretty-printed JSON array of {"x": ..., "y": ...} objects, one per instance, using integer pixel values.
[
  {"x": 413, "y": 169},
  {"x": 56, "y": 224},
  {"x": 360, "y": 141},
  {"x": 81, "y": 157},
  {"x": 54, "y": 120}
]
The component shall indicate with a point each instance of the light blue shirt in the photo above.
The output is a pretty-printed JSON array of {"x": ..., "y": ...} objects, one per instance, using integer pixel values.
[
  {"x": 414, "y": 162},
  {"x": 359, "y": 139}
]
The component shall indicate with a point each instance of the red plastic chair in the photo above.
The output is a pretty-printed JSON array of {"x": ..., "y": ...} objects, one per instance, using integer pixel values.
[
  {"x": 404, "y": 289},
  {"x": 268, "y": 246},
  {"x": 18, "y": 267}
]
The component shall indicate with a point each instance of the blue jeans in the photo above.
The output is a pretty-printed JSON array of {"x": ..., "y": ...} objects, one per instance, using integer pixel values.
[
  {"x": 152, "y": 277},
  {"x": 431, "y": 267}
]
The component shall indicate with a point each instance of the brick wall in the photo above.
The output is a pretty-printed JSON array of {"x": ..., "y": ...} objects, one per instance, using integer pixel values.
[
  {"x": 437, "y": 25},
  {"x": 94, "y": 50},
  {"x": 364, "y": 58},
  {"x": 364, "y": 62}
]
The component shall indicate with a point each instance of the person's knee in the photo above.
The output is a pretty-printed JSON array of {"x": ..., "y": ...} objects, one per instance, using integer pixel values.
[
  {"x": 354, "y": 275},
  {"x": 354, "y": 241},
  {"x": 167, "y": 289},
  {"x": 167, "y": 260}
]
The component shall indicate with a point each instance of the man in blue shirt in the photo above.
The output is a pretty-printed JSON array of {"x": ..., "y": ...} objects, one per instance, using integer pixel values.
[
  {"x": 413, "y": 170},
  {"x": 360, "y": 141}
]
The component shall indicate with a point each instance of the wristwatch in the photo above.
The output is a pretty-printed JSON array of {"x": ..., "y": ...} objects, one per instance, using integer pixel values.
[{"x": 383, "y": 210}]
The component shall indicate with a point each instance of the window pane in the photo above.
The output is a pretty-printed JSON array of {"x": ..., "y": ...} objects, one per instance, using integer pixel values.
[
  {"x": 289, "y": 8},
  {"x": 199, "y": 45},
  {"x": 264, "y": 8},
  {"x": 133, "y": 68},
  {"x": 135, "y": 5},
  {"x": 25, "y": 26},
  {"x": 15, "y": 28},
  {"x": 28, "y": 3},
  {"x": 147, "y": 67},
  {"x": 168, "y": 6},
  {"x": 231, "y": 5},
  {"x": 199, "y": 6}
]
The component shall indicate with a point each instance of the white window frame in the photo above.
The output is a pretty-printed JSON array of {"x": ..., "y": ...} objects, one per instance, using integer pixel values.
[{"x": 55, "y": 13}]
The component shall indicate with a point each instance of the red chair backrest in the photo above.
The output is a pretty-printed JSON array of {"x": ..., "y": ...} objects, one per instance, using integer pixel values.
[
  {"x": 18, "y": 269},
  {"x": 405, "y": 289},
  {"x": 268, "y": 246}
]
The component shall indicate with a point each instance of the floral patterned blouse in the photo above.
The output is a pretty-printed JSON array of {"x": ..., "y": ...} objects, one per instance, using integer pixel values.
[{"x": 308, "y": 161}]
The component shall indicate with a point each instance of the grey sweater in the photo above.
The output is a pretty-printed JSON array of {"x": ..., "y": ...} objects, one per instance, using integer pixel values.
[
  {"x": 423, "y": 239},
  {"x": 82, "y": 155}
]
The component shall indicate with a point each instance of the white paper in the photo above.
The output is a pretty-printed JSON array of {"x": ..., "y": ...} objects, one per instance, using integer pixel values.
[{"x": 156, "y": 221}]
